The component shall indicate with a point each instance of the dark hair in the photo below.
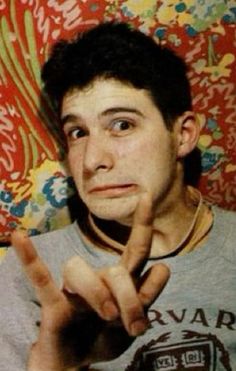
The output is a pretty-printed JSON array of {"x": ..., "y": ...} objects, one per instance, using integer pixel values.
[{"x": 115, "y": 50}]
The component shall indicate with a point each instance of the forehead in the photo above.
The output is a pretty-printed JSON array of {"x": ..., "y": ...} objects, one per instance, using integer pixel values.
[{"x": 101, "y": 94}]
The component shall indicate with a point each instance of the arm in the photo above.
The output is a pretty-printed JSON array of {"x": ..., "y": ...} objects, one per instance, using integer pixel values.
[{"x": 101, "y": 303}]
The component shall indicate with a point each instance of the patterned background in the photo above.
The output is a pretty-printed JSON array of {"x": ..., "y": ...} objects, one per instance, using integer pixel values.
[{"x": 34, "y": 183}]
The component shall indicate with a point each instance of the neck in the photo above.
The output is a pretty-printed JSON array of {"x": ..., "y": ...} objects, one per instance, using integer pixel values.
[{"x": 173, "y": 223}]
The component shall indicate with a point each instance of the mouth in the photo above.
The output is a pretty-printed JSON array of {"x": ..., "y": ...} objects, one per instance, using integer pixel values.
[{"x": 113, "y": 190}]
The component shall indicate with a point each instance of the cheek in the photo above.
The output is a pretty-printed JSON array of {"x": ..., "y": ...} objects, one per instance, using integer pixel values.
[
  {"x": 75, "y": 160},
  {"x": 150, "y": 160},
  {"x": 131, "y": 149},
  {"x": 143, "y": 152}
]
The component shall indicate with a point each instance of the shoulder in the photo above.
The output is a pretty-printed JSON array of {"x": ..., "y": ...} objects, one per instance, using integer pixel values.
[
  {"x": 56, "y": 247},
  {"x": 57, "y": 239},
  {"x": 225, "y": 231},
  {"x": 225, "y": 218},
  {"x": 53, "y": 247}
]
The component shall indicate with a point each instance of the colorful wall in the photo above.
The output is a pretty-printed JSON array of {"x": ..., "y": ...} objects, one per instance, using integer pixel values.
[{"x": 34, "y": 182}]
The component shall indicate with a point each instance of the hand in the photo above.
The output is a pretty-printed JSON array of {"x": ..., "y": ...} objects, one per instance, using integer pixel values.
[{"x": 98, "y": 313}]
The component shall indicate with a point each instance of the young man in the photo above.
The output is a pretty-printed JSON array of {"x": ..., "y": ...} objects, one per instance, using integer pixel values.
[{"x": 100, "y": 298}]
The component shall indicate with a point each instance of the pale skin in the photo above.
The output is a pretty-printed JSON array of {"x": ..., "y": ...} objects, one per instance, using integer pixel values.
[{"x": 105, "y": 145}]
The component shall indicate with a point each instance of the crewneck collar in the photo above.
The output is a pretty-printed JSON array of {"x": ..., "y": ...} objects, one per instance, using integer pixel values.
[
  {"x": 193, "y": 238},
  {"x": 179, "y": 263}
]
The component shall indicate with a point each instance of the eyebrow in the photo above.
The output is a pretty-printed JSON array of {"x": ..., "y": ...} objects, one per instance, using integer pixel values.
[
  {"x": 121, "y": 109},
  {"x": 74, "y": 118},
  {"x": 68, "y": 118}
]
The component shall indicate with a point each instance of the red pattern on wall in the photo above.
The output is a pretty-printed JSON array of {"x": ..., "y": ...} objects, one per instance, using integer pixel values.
[{"x": 34, "y": 183}]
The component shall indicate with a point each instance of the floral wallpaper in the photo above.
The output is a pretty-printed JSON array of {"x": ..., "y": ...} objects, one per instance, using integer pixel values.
[{"x": 34, "y": 181}]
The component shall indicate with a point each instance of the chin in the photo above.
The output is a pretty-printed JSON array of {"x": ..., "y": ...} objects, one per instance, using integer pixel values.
[{"x": 119, "y": 209}]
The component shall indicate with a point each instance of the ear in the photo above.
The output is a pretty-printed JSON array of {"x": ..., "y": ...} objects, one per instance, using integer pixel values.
[{"x": 187, "y": 133}]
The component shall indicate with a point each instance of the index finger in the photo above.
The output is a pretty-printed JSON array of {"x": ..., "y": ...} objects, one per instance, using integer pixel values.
[
  {"x": 138, "y": 247},
  {"x": 37, "y": 272}
]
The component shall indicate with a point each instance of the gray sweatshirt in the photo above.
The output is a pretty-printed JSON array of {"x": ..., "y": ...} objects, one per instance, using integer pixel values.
[{"x": 193, "y": 322}]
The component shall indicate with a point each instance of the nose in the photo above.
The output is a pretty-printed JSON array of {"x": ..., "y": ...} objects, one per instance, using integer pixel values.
[{"x": 98, "y": 155}]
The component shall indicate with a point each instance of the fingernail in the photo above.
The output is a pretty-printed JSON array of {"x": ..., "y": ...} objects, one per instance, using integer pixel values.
[
  {"x": 138, "y": 327},
  {"x": 109, "y": 310}
]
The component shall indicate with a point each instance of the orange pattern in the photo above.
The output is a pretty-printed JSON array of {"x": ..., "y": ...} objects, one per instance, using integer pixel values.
[{"x": 34, "y": 184}]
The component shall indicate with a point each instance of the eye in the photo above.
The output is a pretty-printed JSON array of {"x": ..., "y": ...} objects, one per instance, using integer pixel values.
[
  {"x": 75, "y": 133},
  {"x": 121, "y": 125}
]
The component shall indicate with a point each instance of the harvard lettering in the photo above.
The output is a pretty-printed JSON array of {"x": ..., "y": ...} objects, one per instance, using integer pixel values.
[{"x": 198, "y": 315}]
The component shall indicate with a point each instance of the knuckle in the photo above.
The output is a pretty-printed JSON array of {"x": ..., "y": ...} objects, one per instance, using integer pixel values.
[
  {"x": 70, "y": 265},
  {"x": 163, "y": 268},
  {"x": 149, "y": 292},
  {"x": 145, "y": 297},
  {"x": 40, "y": 278},
  {"x": 142, "y": 249},
  {"x": 134, "y": 308},
  {"x": 116, "y": 271}
]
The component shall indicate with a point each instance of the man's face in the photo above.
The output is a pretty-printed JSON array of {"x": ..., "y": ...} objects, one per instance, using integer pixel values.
[{"x": 118, "y": 148}]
